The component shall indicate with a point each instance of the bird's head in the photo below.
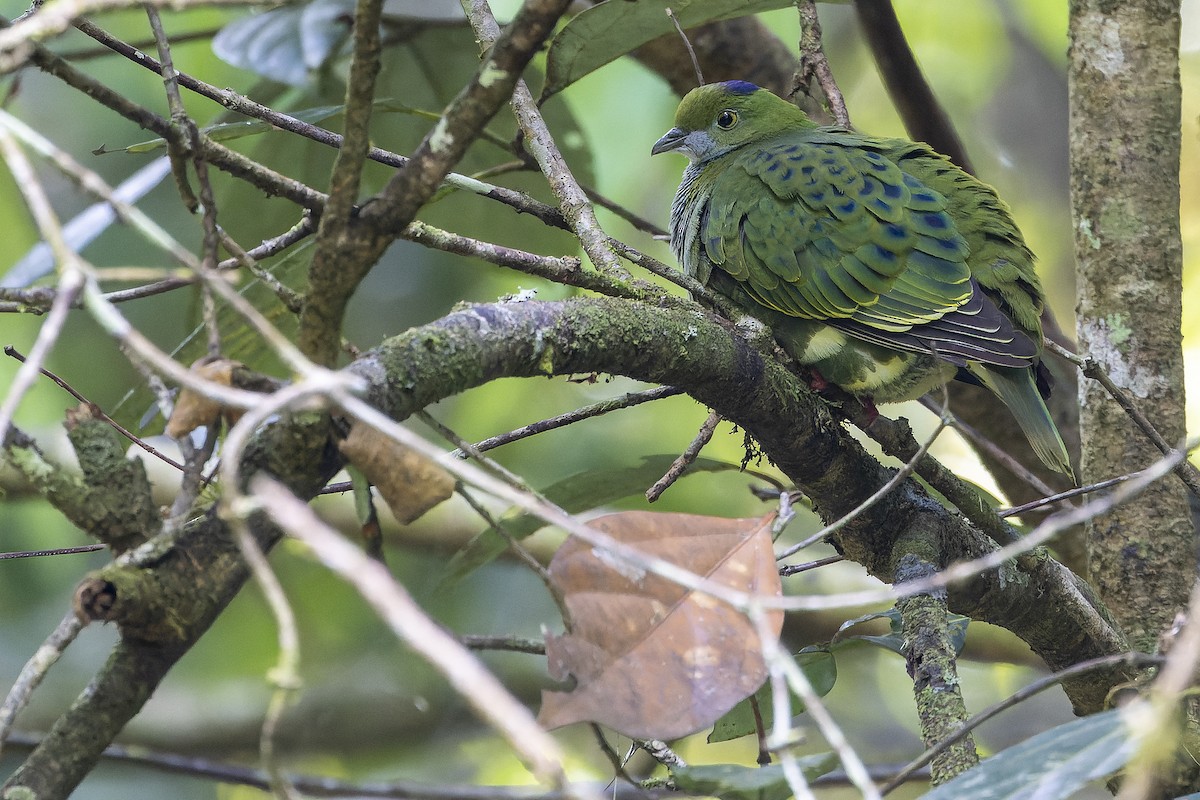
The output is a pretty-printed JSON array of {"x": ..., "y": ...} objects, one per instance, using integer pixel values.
[{"x": 719, "y": 117}]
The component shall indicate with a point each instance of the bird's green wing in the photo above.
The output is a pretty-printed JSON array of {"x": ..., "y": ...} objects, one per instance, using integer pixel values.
[
  {"x": 827, "y": 231},
  {"x": 1000, "y": 260}
]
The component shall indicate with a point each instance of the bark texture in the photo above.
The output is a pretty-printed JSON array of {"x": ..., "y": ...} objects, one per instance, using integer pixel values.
[{"x": 1125, "y": 138}]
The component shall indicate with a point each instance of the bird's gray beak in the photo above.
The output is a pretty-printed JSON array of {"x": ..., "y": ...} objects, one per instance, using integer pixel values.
[{"x": 670, "y": 140}]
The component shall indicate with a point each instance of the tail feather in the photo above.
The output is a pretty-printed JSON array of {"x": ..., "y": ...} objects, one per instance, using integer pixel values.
[{"x": 1018, "y": 390}]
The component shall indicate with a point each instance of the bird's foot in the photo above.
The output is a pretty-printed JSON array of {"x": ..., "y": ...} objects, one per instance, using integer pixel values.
[{"x": 869, "y": 410}]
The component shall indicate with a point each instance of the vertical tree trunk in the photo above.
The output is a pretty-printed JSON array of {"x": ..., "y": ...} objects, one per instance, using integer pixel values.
[{"x": 1125, "y": 136}]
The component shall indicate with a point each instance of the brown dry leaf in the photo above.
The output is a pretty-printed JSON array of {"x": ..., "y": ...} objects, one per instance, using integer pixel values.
[
  {"x": 194, "y": 410},
  {"x": 651, "y": 659},
  {"x": 409, "y": 482}
]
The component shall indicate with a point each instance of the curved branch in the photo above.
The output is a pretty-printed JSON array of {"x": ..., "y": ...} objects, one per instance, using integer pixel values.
[
  {"x": 160, "y": 613},
  {"x": 724, "y": 372}
]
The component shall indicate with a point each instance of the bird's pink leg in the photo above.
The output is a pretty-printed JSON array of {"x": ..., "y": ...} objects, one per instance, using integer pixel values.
[{"x": 869, "y": 409}]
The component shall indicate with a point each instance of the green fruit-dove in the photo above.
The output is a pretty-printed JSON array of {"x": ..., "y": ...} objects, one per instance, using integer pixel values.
[{"x": 877, "y": 262}]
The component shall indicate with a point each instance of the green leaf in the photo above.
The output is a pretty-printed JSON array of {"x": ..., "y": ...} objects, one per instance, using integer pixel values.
[
  {"x": 228, "y": 131},
  {"x": 362, "y": 494},
  {"x": 736, "y": 782},
  {"x": 894, "y": 640},
  {"x": 579, "y": 492},
  {"x": 1055, "y": 763},
  {"x": 818, "y": 665},
  {"x": 608, "y": 30}
]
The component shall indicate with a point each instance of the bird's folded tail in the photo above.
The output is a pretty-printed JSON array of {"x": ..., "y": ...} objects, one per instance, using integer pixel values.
[{"x": 1016, "y": 387}]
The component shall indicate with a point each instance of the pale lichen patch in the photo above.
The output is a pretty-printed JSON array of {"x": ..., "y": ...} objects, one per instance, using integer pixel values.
[
  {"x": 441, "y": 138},
  {"x": 490, "y": 75},
  {"x": 1108, "y": 55}
]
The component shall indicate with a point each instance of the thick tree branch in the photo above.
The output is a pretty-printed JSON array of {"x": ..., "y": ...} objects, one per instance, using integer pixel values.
[
  {"x": 152, "y": 594},
  {"x": 331, "y": 283},
  {"x": 793, "y": 429}
]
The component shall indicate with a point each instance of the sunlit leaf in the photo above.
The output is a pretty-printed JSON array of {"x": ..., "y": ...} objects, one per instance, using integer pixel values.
[
  {"x": 410, "y": 482},
  {"x": 650, "y": 658},
  {"x": 818, "y": 665},
  {"x": 610, "y": 29},
  {"x": 194, "y": 410},
  {"x": 1053, "y": 764},
  {"x": 736, "y": 782}
]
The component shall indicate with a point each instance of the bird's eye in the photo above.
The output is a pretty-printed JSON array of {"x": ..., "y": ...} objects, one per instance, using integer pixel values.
[{"x": 727, "y": 119}]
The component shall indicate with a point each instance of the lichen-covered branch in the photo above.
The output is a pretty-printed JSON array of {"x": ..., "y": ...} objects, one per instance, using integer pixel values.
[
  {"x": 726, "y": 373},
  {"x": 931, "y": 658},
  {"x": 165, "y": 598},
  {"x": 111, "y": 500}
]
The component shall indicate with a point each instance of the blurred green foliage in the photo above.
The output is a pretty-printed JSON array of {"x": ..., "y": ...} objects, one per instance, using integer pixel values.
[{"x": 370, "y": 709}]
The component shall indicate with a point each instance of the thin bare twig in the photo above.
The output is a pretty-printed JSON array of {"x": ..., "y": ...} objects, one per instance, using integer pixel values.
[
  {"x": 323, "y": 786},
  {"x": 243, "y": 105},
  {"x": 688, "y": 46},
  {"x": 490, "y": 700},
  {"x": 70, "y": 273},
  {"x": 285, "y": 675},
  {"x": 571, "y": 417},
  {"x": 686, "y": 459},
  {"x": 1055, "y": 498},
  {"x": 35, "y": 670},
  {"x": 58, "y": 551},
  {"x": 512, "y": 644},
  {"x": 52, "y": 19},
  {"x": 814, "y": 64},
  {"x": 900, "y": 476},
  {"x": 1001, "y": 456},
  {"x": 12, "y": 352},
  {"x": 793, "y": 569},
  {"x": 573, "y": 201},
  {"x": 786, "y": 674},
  {"x": 1092, "y": 369},
  {"x": 523, "y": 555}
]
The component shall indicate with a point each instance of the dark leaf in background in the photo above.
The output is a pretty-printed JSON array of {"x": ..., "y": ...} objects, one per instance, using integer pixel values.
[
  {"x": 609, "y": 30},
  {"x": 817, "y": 664},
  {"x": 736, "y": 782},
  {"x": 582, "y": 491}
]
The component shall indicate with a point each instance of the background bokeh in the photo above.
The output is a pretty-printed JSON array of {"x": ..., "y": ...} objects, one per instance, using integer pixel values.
[{"x": 371, "y": 710}]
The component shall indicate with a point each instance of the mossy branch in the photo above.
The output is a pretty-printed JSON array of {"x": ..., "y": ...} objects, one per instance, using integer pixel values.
[{"x": 192, "y": 577}]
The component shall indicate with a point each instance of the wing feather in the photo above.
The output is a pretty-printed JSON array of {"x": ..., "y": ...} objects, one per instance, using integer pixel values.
[{"x": 824, "y": 230}]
